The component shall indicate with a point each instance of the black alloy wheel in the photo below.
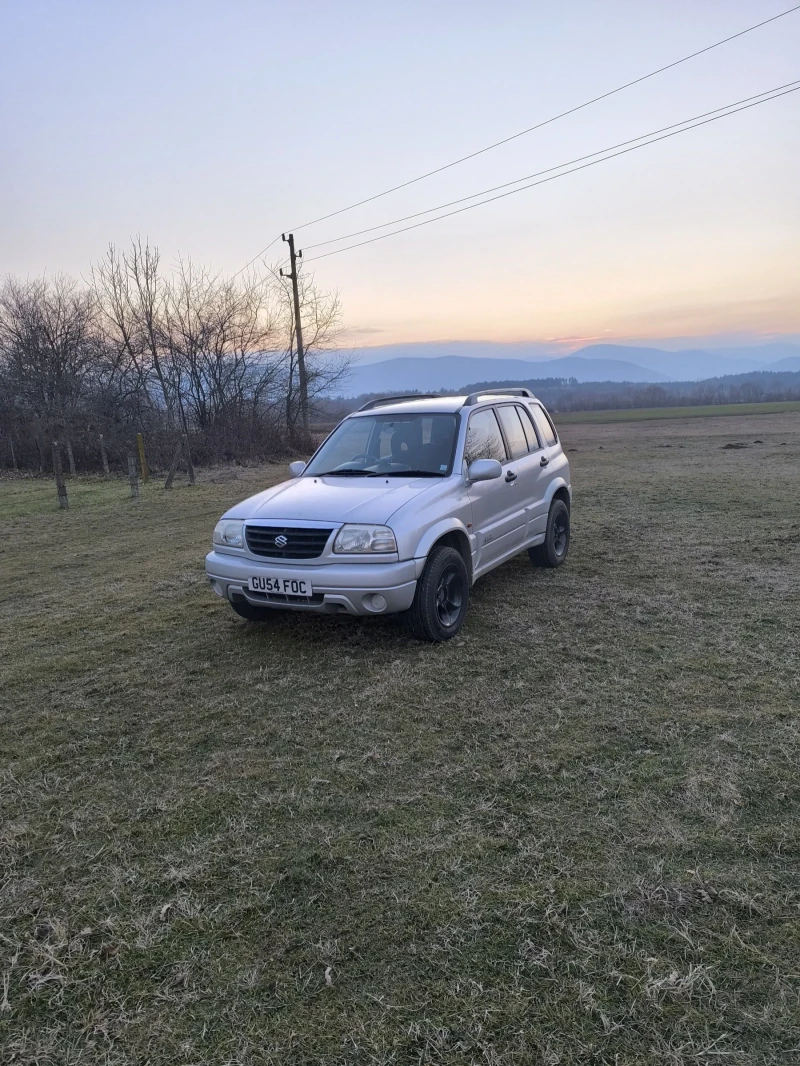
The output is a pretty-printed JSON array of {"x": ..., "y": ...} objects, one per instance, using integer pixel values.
[
  {"x": 561, "y": 533},
  {"x": 450, "y": 594},
  {"x": 442, "y": 597},
  {"x": 553, "y": 551}
]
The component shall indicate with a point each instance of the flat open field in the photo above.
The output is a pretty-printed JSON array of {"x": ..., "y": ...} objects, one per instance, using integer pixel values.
[
  {"x": 639, "y": 414},
  {"x": 569, "y": 836}
]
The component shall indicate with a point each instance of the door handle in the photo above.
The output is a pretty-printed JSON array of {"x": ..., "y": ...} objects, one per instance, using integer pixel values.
[
  {"x": 510, "y": 476},
  {"x": 544, "y": 461}
]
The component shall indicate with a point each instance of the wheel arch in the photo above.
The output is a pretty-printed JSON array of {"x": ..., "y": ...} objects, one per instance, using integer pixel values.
[
  {"x": 559, "y": 490},
  {"x": 452, "y": 535}
]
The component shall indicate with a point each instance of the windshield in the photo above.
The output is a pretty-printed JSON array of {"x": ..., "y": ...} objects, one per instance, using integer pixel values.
[{"x": 419, "y": 445}]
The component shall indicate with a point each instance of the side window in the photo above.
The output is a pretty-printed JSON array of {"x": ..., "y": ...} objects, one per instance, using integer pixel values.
[
  {"x": 534, "y": 444},
  {"x": 512, "y": 428},
  {"x": 483, "y": 438},
  {"x": 546, "y": 428},
  {"x": 551, "y": 424}
]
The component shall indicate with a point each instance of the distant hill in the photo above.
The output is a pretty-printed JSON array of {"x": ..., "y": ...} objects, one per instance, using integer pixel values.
[
  {"x": 448, "y": 365},
  {"x": 527, "y": 350},
  {"x": 790, "y": 364},
  {"x": 451, "y": 371},
  {"x": 691, "y": 364}
]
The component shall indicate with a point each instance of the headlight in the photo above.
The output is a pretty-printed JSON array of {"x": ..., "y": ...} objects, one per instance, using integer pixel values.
[
  {"x": 230, "y": 534},
  {"x": 365, "y": 539}
]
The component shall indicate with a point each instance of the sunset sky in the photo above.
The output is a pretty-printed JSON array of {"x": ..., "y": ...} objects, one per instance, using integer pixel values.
[{"x": 211, "y": 127}]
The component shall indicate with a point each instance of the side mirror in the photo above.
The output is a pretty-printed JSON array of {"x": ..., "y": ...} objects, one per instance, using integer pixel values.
[
  {"x": 296, "y": 469},
  {"x": 484, "y": 470}
]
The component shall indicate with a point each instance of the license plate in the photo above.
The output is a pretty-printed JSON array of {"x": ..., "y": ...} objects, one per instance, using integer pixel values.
[{"x": 286, "y": 586}]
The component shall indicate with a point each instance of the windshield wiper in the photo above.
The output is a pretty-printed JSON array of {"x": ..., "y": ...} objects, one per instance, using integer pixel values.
[
  {"x": 411, "y": 473},
  {"x": 348, "y": 471},
  {"x": 353, "y": 471}
]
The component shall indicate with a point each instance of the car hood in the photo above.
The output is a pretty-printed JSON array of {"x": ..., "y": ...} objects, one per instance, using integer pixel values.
[{"x": 332, "y": 499}]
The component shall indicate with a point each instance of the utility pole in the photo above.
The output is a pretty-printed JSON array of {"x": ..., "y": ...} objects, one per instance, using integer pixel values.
[{"x": 298, "y": 332}]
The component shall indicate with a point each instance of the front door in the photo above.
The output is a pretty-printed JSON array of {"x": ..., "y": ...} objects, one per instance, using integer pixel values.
[
  {"x": 526, "y": 454},
  {"x": 498, "y": 512}
]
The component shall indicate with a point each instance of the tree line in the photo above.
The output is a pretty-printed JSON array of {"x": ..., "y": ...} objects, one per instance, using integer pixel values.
[
  {"x": 137, "y": 348},
  {"x": 568, "y": 394}
]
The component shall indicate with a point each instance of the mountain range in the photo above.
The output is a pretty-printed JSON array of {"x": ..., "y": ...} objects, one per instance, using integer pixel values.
[{"x": 439, "y": 365}]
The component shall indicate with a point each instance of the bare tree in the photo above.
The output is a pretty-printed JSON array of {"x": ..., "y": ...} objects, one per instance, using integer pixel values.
[
  {"x": 48, "y": 346},
  {"x": 186, "y": 351},
  {"x": 131, "y": 296},
  {"x": 220, "y": 338}
]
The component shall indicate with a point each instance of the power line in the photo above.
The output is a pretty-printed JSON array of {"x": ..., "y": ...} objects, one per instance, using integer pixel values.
[
  {"x": 250, "y": 262},
  {"x": 546, "y": 122},
  {"x": 548, "y": 170},
  {"x": 515, "y": 136},
  {"x": 731, "y": 111}
]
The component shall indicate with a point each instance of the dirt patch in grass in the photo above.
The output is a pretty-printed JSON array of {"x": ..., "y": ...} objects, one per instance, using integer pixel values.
[{"x": 569, "y": 836}]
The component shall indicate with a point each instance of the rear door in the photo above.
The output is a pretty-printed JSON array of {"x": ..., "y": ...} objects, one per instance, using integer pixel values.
[
  {"x": 550, "y": 460},
  {"x": 498, "y": 516},
  {"x": 524, "y": 447}
]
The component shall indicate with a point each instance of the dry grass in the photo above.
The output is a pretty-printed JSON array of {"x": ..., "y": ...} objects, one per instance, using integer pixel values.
[
  {"x": 721, "y": 410},
  {"x": 570, "y": 836}
]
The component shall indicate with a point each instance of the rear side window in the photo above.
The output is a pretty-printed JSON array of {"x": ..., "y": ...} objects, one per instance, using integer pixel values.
[
  {"x": 546, "y": 428},
  {"x": 483, "y": 438},
  {"x": 514, "y": 433},
  {"x": 534, "y": 444}
]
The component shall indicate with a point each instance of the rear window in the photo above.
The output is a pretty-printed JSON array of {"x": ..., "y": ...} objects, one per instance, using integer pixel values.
[
  {"x": 546, "y": 428},
  {"x": 534, "y": 444},
  {"x": 514, "y": 433}
]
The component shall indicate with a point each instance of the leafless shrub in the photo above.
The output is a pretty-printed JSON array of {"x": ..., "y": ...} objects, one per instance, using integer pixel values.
[{"x": 141, "y": 349}]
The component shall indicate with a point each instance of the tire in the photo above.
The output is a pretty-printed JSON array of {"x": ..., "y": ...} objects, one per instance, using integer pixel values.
[
  {"x": 250, "y": 613},
  {"x": 553, "y": 551},
  {"x": 442, "y": 597}
]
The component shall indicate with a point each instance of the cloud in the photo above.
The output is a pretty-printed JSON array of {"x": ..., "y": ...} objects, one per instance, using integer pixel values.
[{"x": 352, "y": 332}]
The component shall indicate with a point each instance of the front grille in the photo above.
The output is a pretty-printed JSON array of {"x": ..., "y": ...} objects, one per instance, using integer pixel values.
[{"x": 301, "y": 541}]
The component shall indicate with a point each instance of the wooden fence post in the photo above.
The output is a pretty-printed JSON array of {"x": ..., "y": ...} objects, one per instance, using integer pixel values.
[
  {"x": 103, "y": 455},
  {"x": 189, "y": 464},
  {"x": 133, "y": 478},
  {"x": 143, "y": 458},
  {"x": 58, "y": 473},
  {"x": 71, "y": 458},
  {"x": 13, "y": 453}
]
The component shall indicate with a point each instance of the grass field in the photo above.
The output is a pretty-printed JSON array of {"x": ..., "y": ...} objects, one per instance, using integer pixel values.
[
  {"x": 639, "y": 414},
  {"x": 569, "y": 836}
]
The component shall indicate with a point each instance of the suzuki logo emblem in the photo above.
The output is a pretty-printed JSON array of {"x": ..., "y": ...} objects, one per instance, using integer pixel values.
[{"x": 281, "y": 541}]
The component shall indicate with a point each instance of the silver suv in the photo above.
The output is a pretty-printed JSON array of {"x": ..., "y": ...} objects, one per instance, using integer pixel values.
[{"x": 407, "y": 503}]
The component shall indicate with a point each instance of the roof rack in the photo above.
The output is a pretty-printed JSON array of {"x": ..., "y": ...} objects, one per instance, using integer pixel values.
[
  {"x": 473, "y": 397},
  {"x": 405, "y": 398}
]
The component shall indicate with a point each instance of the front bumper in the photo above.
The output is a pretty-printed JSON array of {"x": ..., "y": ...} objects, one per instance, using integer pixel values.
[{"x": 352, "y": 588}]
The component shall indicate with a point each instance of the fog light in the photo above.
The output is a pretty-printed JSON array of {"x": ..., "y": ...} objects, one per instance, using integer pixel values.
[
  {"x": 217, "y": 587},
  {"x": 375, "y": 602}
]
